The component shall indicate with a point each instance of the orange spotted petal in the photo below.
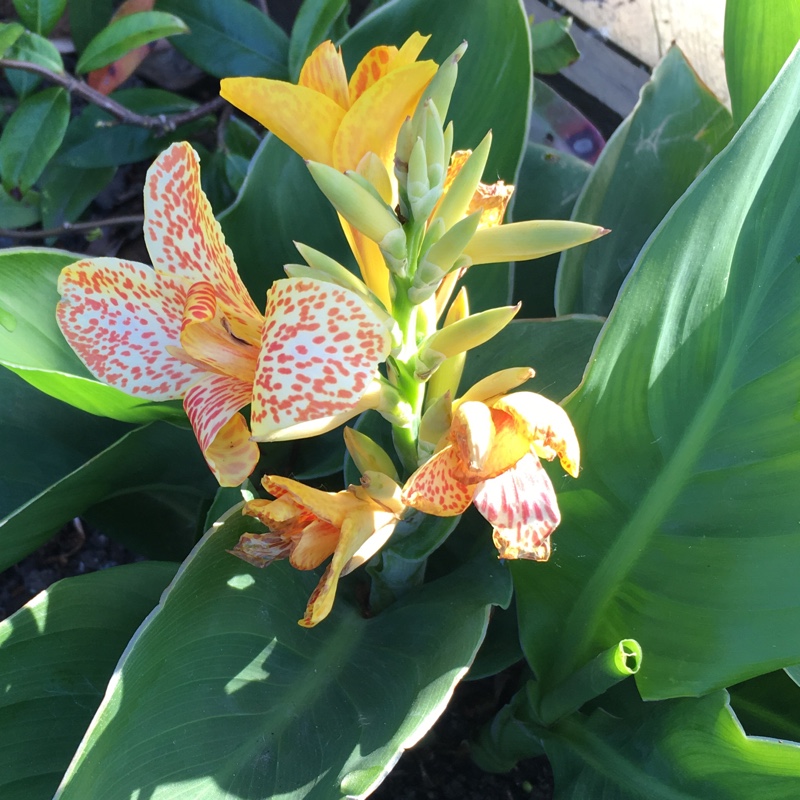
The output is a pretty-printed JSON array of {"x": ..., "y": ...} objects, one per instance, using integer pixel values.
[
  {"x": 434, "y": 489},
  {"x": 211, "y": 404},
  {"x": 206, "y": 339},
  {"x": 324, "y": 72},
  {"x": 549, "y": 428},
  {"x": 232, "y": 456},
  {"x": 521, "y": 506},
  {"x": 372, "y": 123},
  {"x": 374, "y": 66},
  {"x": 320, "y": 351},
  {"x": 183, "y": 237},
  {"x": 120, "y": 317},
  {"x": 304, "y": 119}
]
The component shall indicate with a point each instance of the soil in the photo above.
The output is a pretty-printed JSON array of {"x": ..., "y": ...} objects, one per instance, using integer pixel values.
[{"x": 438, "y": 768}]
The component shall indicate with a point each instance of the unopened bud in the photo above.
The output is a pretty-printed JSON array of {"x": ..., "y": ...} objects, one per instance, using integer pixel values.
[
  {"x": 497, "y": 384},
  {"x": 446, "y": 379},
  {"x": 374, "y": 170},
  {"x": 440, "y": 89},
  {"x": 435, "y": 423},
  {"x": 367, "y": 455}
]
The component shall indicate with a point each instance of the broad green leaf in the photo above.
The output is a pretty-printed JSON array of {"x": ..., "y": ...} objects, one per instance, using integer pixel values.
[
  {"x": 67, "y": 191},
  {"x": 96, "y": 139},
  {"x": 232, "y": 38},
  {"x": 677, "y": 127},
  {"x": 149, "y": 489},
  {"x": 558, "y": 349},
  {"x": 20, "y": 213},
  {"x": 319, "y": 457},
  {"x": 126, "y": 34},
  {"x": 553, "y": 47},
  {"x": 758, "y": 38},
  {"x": 37, "y": 351},
  {"x": 56, "y": 655},
  {"x": 87, "y": 18},
  {"x": 38, "y": 50},
  {"x": 682, "y": 529},
  {"x": 32, "y": 136},
  {"x": 265, "y": 707},
  {"x": 312, "y": 26},
  {"x": 9, "y": 33},
  {"x": 40, "y": 16},
  {"x": 548, "y": 185},
  {"x": 262, "y": 223},
  {"x": 688, "y": 749}
]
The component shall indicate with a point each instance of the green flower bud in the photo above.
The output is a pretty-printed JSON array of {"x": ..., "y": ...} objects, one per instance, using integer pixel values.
[{"x": 368, "y": 455}]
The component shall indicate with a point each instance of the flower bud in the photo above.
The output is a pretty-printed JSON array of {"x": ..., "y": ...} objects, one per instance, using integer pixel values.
[
  {"x": 435, "y": 424},
  {"x": 446, "y": 379},
  {"x": 461, "y": 336},
  {"x": 496, "y": 384},
  {"x": 440, "y": 89},
  {"x": 368, "y": 456},
  {"x": 359, "y": 206},
  {"x": 521, "y": 241},
  {"x": 374, "y": 170}
]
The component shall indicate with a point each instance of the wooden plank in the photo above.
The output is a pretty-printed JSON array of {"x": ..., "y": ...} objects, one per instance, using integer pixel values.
[
  {"x": 600, "y": 71},
  {"x": 647, "y": 28}
]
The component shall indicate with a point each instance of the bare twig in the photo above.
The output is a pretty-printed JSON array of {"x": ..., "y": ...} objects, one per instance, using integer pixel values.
[
  {"x": 73, "y": 227},
  {"x": 162, "y": 122}
]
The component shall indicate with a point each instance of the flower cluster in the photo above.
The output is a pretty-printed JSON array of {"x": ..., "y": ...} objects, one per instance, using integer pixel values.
[{"x": 417, "y": 216}]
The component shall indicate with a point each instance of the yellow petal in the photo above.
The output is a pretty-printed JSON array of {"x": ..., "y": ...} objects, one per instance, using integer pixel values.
[
  {"x": 324, "y": 72},
  {"x": 410, "y": 50},
  {"x": 371, "y": 68},
  {"x": 549, "y": 427},
  {"x": 496, "y": 384},
  {"x": 304, "y": 119},
  {"x": 232, "y": 456},
  {"x": 375, "y": 117},
  {"x": 317, "y": 541},
  {"x": 374, "y": 271}
]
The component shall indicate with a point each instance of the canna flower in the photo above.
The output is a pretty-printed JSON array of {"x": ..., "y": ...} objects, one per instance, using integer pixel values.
[
  {"x": 308, "y": 525},
  {"x": 327, "y": 119},
  {"x": 490, "y": 457},
  {"x": 187, "y": 328}
]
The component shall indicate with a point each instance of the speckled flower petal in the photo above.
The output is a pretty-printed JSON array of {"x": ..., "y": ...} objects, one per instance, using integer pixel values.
[
  {"x": 211, "y": 405},
  {"x": 521, "y": 506},
  {"x": 183, "y": 237},
  {"x": 305, "y": 120},
  {"x": 434, "y": 489},
  {"x": 374, "y": 66},
  {"x": 120, "y": 317},
  {"x": 206, "y": 339},
  {"x": 549, "y": 427},
  {"x": 375, "y": 117},
  {"x": 320, "y": 351},
  {"x": 324, "y": 72}
]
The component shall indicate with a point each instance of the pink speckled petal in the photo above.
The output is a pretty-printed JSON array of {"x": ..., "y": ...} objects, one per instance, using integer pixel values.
[
  {"x": 522, "y": 508},
  {"x": 120, "y": 318},
  {"x": 211, "y": 405},
  {"x": 183, "y": 237},
  {"x": 434, "y": 489},
  {"x": 321, "y": 347}
]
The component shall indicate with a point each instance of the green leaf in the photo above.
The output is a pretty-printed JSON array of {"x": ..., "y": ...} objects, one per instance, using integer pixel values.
[
  {"x": 677, "y": 127},
  {"x": 149, "y": 489},
  {"x": 96, "y": 139},
  {"x": 692, "y": 749},
  {"x": 37, "y": 351},
  {"x": 558, "y": 349},
  {"x": 548, "y": 185},
  {"x": 38, "y": 50},
  {"x": 56, "y": 655},
  {"x": 307, "y": 217},
  {"x": 9, "y": 33},
  {"x": 688, "y": 423},
  {"x": 19, "y": 213},
  {"x": 232, "y": 38},
  {"x": 553, "y": 47},
  {"x": 769, "y": 706},
  {"x": 87, "y": 18},
  {"x": 758, "y": 38},
  {"x": 32, "y": 136},
  {"x": 40, "y": 16},
  {"x": 126, "y": 34},
  {"x": 267, "y": 707},
  {"x": 311, "y": 27},
  {"x": 67, "y": 191}
]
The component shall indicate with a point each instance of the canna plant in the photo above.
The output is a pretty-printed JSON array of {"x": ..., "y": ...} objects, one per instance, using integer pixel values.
[{"x": 615, "y": 506}]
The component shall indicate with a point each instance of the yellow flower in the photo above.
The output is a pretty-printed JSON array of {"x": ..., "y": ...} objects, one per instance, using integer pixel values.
[
  {"x": 307, "y": 525},
  {"x": 490, "y": 457},
  {"x": 331, "y": 120}
]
